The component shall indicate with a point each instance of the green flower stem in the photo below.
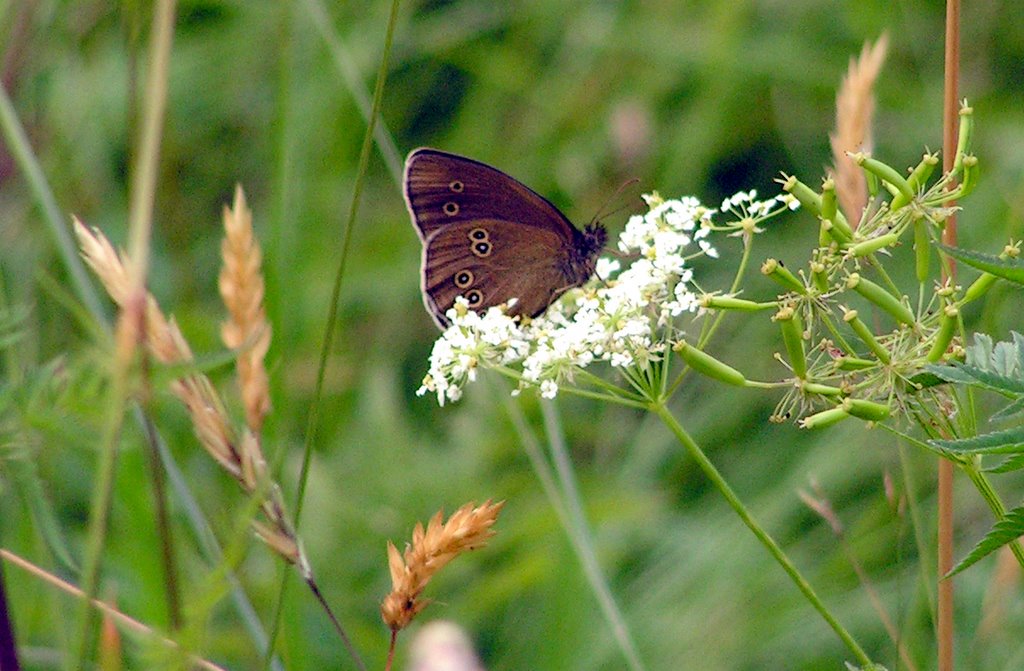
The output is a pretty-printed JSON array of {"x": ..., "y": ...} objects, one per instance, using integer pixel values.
[
  {"x": 619, "y": 397},
  {"x": 769, "y": 543}
]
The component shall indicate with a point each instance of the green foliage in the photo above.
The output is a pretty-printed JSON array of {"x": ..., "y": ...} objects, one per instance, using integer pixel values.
[
  {"x": 1011, "y": 269},
  {"x": 1006, "y": 530},
  {"x": 574, "y": 98}
]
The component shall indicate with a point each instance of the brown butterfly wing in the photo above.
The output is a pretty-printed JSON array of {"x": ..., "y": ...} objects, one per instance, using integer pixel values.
[
  {"x": 443, "y": 188},
  {"x": 490, "y": 261},
  {"x": 490, "y": 238}
]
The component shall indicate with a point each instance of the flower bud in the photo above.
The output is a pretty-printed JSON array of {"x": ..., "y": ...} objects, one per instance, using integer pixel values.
[
  {"x": 947, "y": 327},
  {"x": 778, "y": 272},
  {"x": 922, "y": 250},
  {"x": 964, "y": 136},
  {"x": 881, "y": 298},
  {"x": 861, "y": 329},
  {"x": 732, "y": 303},
  {"x": 866, "y": 410},
  {"x": 822, "y": 389},
  {"x": 853, "y": 363},
  {"x": 703, "y": 362},
  {"x": 886, "y": 173},
  {"x": 918, "y": 178},
  {"x": 820, "y": 420},
  {"x": 792, "y": 336},
  {"x": 872, "y": 245}
]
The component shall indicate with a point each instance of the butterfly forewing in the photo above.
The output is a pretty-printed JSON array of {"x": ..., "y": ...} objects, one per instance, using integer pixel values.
[{"x": 441, "y": 188}]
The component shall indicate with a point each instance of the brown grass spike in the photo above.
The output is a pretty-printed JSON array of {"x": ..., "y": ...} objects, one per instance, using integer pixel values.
[{"x": 855, "y": 109}]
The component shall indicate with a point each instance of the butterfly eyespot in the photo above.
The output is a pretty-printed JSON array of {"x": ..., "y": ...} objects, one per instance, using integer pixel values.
[
  {"x": 451, "y": 208},
  {"x": 478, "y": 234},
  {"x": 464, "y": 278},
  {"x": 456, "y": 186},
  {"x": 482, "y": 248},
  {"x": 474, "y": 298}
]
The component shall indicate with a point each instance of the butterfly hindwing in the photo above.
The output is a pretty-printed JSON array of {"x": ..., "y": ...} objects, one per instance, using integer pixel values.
[{"x": 488, "y": 262}]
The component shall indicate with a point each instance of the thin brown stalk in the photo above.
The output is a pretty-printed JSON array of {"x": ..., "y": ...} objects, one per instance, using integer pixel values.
[
  {"x": 855, "y": 109},
  {"x": 124, "y": 621},
  {"x": 431, "y": 549},
  {"x": 246, "y": 330}
]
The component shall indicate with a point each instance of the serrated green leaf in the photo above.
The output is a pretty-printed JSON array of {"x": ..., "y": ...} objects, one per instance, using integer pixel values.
[
  {"x": 1014, "y": 463},
  {"x": 926, "y": 380},
  {"x": 1009, "y": 411},
  {"x": 1018, "y": 341},
  {"x": 994, "y": 381},
  {"x": 950, "y": 373},
  {"x": 1008, "y": 269},
  {"x": 1004, "y": 359},
  {"x": 980, "y": 352},
  {"x": 1005, "y": 531},
  {"x": 997, "y": 442}
]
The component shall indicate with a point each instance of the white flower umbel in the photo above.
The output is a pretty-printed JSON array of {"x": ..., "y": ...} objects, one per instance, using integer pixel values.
[{"x": 626, "y": 318}]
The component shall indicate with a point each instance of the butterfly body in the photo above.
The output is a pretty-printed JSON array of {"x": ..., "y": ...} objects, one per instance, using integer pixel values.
[{"x": 489, "y": 238}]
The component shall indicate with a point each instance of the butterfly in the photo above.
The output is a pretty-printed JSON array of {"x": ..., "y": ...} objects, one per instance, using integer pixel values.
[{"x": 489, "y": 238}]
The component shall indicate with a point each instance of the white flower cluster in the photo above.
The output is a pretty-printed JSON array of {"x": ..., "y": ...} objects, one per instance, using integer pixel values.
[{"x": 624, "y": 318}]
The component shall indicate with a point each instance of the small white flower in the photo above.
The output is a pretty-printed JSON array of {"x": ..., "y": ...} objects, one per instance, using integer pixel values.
[
  {"x": 606, "y": 268},
  {"x": 619, "y": 321}
]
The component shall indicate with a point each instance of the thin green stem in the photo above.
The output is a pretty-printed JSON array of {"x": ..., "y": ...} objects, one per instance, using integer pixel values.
[
  {"x": 99, "y": 516},
  {"x": 130, "y": 330},
  {"x": 711, "y": 326},
  {"x": 331, "y": 324},
  {"x": 583, "y": 539},
  {"x": 766, "y": 540},
  {"x": 618, "y": 396}
]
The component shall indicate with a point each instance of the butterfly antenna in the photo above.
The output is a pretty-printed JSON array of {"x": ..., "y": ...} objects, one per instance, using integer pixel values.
[{"x": 601, "y": 214}]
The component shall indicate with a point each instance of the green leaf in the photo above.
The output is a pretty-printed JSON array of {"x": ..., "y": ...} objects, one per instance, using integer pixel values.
[
  {"x": 980, "y": 352},
  {"x": 950, "y": 373},
  {"x": 1008, "y": 269},
  {"x": 1005, "y": 531},
  {"x": 1004, "y": 359},
  {"x": 1014, "y": 463},
  {"x": 24, "y": 477},
  {"x": 997, "y": 442},
  {"x": 967, "y": 374},
  {"x": 1009, "y": 411}
]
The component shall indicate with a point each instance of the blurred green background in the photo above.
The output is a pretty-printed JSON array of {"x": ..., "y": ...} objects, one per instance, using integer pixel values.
[{"x": 702, "y": 98}]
